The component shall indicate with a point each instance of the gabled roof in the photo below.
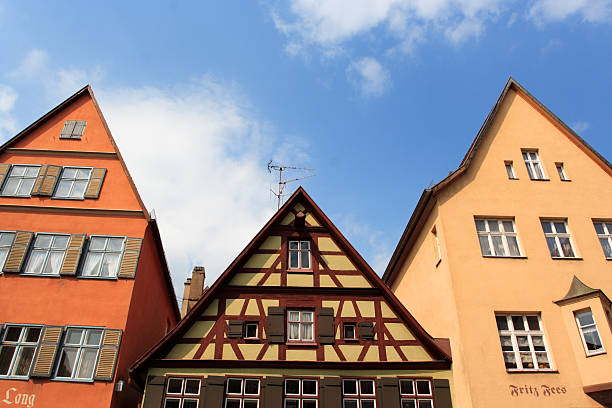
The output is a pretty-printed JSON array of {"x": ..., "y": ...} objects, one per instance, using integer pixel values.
[
  {"x": 428, "y": 196},
  {"x": 437, "y": 347},
  {"x": 87, "y": 91},
  {"x": 579, "y": 290}
]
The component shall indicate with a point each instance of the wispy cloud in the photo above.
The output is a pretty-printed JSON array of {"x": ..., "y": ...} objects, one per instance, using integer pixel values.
[
  {"x": 593, "y": 11},
  {"x": 369, "y": 76},
  {"x": 580, "y": 127},
  {"x": 8, "y": 125}
]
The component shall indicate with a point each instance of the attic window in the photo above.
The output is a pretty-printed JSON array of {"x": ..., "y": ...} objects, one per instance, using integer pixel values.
[{"x": 73, "y": 129}]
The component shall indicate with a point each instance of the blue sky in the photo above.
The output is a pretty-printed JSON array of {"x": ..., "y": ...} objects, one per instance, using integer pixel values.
[{"x": 381, "y": 97}]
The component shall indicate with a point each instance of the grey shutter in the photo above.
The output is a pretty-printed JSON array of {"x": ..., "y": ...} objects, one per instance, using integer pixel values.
[
  {"x": 273, "y": 392},
  {"x": 388, "y": 392},
  {"x": 331, "y": 392},
  {"x": 442, "y": 395},
  {"x": 46, "y": 181},
  {"x": 68, "y": 129},
  {"x": 366, "y": 330},
  {"x": 95, "y": 183},
  {"x": 129, "y": 260},
  {"x": 326, "y": 330},
  {"x": 276, "y": 324},
  {"x": 73, "y": 254},
  {"x": 154, "y": 392},
  {"x": 18, "y": 251},
  {"x": 78, "y": 129},
  {"x": 215, "y": 387},
  {"x": 234, "y": 329},
  {"x": 45, "y": 355},
  {"x": 4, "y": 169},
  {"x": 109, "y": 351}
]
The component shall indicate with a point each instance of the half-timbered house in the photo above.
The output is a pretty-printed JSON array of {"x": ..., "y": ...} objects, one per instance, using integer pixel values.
[{"x": 298, "y": 320}]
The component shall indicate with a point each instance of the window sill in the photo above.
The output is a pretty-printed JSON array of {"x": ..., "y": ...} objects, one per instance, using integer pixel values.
[
  {"x": 569, "y": 258},
  {"x": 98, "y": 277},
  {"x": 351, "y": 340},
  {"x": 532, "y": 371},
  {"x": 504, "y": 257},
  {"x": 299, "y": 270},
  {"x": 40, "y": 275},
  {"x": 599, "y": 353},
  {"x": 15, "y": 378},
  {"x": 301, "y": 344},
  {"x": 72, "y": 380},
  {"x": 439, "y": 262},
  {"x": 544, "y": 179},
  {"x": 15, "y": 196},
  {"x": 252, "y": 340},
  {"x": 69, "y": 198}
]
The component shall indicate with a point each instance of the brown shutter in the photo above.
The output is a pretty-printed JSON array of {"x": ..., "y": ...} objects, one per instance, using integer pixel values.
[
  {"x": 4, "y": 169},
  {"x": 43, "y": 361},
  {"x": 129, "y": 261},
  {"x": 234, "y": 329},
  {"x": 442, "y": 395},
  {"x": 202, "y": 393},
  {"x": 107, "y": 359},
  {"x": 273, "y": 392},
  {"x": 154, "y": 392},
  {"x": 326, "y": 330},
  {"x": 215, "y": 387},
  {"x": 388, "y": 392},
  {"x": 39, "y": 180},
  {"x": 366, "y": 330},
  {"x": 95, "y": 183},
  {"x": 276, "y": 324},
  {"x": 331, "y": 392},
  {"x": 47, "y": 178},
  {"x": 73, "y": 254},
  {"x": 16, "y": 255}
]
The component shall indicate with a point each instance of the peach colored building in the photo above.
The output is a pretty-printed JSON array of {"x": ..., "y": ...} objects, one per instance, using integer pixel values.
[
  {"x": 510, "y": 256},
  {"x": 84, "y": 285}
]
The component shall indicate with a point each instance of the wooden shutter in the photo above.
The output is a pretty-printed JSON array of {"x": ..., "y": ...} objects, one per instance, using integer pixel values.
[
  {"x": 95, "y": 183},
  {"x": 273, "y": 392},
  {"x": 234, "y": 329},
  {"x": 215, "y": 388},
  {"x": 276, "y": 324},
  {"x": 366, "y": 330},
  {"x": 4, "y": 169},
  {"x": 68, "y": 129},
  {"x": 39, "y": 180},
  {"x": 442, "y": 395},
  {"x": 43, "y": 361},
  {"x": 388, "y": 392},
  {"x": 73, "y": 254},
  {"x": 47, "y": 178},
  {"x": 107, "y": 359},
  {"x": 129, "y": 261},
  {"x": 202, "y": 393},
  {"x": 18, "y": 251},
  {"x": 331, "y": 392},
  {"x": 154, "y": 392},
  {"x": 326, "y": 329}
]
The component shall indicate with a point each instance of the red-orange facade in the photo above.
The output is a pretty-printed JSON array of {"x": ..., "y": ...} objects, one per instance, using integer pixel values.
[{"x": 84, "y": 284}]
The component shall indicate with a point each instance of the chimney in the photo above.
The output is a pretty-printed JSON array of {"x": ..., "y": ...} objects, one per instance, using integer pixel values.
[{"x": 194, "y": 289}]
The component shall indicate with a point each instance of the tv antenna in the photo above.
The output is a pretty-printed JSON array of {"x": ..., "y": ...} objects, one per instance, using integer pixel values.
[{"x": 280, "y": 192}]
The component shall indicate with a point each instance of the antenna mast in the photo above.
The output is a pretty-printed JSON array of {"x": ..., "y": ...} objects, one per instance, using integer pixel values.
[{"x": 283, "y": 183}]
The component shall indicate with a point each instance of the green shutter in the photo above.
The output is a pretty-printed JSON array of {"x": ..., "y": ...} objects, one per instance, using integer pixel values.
[
  {"x": 95, "y": 183},
  {"x": 129, "y": 261},
  {"x": 109, "y": 351},
  {"x": 18, "y": 251},
  {"x": 45, "y": 356},
  {"x": 73, "y": 254}
]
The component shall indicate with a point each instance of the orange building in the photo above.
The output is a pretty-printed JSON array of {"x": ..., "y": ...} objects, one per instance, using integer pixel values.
[
  {"x": 84, "y": 284},
  {"x": 510, "y": 257}
]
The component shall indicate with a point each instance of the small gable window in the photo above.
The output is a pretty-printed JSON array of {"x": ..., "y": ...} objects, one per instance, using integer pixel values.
[
  {"x": 510, "y": 170},
  {"x": 73, "y": 129},
  {"x": 534, "y": 167},
  {"x": 299, "y": 254},
  {"x": 73, "y": 182},
  {"x": 561, "y": 172},
  {"x": 300, "y": 325},
  {"x": 349, "y": 331},
  {"x": 20, "y": 181},
  {"x": 251, "y": 330}
]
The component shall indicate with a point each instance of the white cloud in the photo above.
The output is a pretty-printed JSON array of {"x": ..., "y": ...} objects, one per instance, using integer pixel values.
[
  {"x": 369, "y": 76},
  {"x": 33, "y": 65},
  {"x": 463, "y": 31},
  {"x": 598, "y": 11},
  {"x": 8, "y": 124},
  {"x": 580, "y": 127},
  {"x": 8, "y": 96}
]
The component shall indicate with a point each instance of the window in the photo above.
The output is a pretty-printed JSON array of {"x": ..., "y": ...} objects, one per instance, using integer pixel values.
[
  {"x": 604, "y": 233},
  {"x": 561, "y": 172},
  {"x": 299, "y": 254},
  {"x": 534, "y": 167},
  {"x": 20, "y": 180},
  {"x": 103, "y": 256},
  {"x": 510, "y": 170},
  {"x": 497, "y": 237},
  {"x": 522, "y": 342},
  {"x": 301, "y": 393},
  {"x": 436, "y": 244},
  {"x": 6, "y": 241},
  {"x": 251, "y": 330},
  {"x": 349, "y": 331},
  {"x": 79, "y": 353},
  {"x": 301, "y": 325},
  {"x": 73, "y": 129},
  {"x": 182, "y": 393},
  {"x": 416, "y": 393},
  {"x": 358, "y": 393},
  {"x": 17, "y": 350},
  {"x": 242, "y": 393},
  {"x": 588, "y": 333},
  {"x": 73, "y": 182},
  {"x": 558, "y": 239},
  {"x": 47, "y": 254}
]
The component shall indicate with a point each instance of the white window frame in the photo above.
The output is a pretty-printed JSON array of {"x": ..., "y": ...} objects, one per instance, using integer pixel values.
[
  {"x": 104, "y": 252},
  {"x": 509, "y": 165},
  {"x": 416, "y": 396},
  {"x": 605, "y": 238},
  {"x": 10, "y": 176},
  {"x": 246, "y": 330},
  {"x": 301, "y": 322},
  {"x": 359, "y": 396},
  {"x": 242, "y": 396},
  {"x": 48, "y": 252},
  {"x": 561, "y": 171},
  {"x": 73, "y": 181},
  {"x": 183, "y": 395},
  {"x": 303, "y": 248},
  {"x": 354, "y": 330},
  {"x": 557, "y": 236},
  {"x": 300, "y": 396},
  {"x": 81, "y": 347},
  {"x": 529, "y": 334},
  {"x": 581, "y": 329},
  {"x": 19, "y": 345},
  {"x": 5, "y": 247},
  {"x": 533, "y": 164},
  {"x": 501, "y": 233}
]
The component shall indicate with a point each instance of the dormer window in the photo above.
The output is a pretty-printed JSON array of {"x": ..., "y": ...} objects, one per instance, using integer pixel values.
[
  {"x": 73, "y": 129},
  {"x": 299, "y": 254}
]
